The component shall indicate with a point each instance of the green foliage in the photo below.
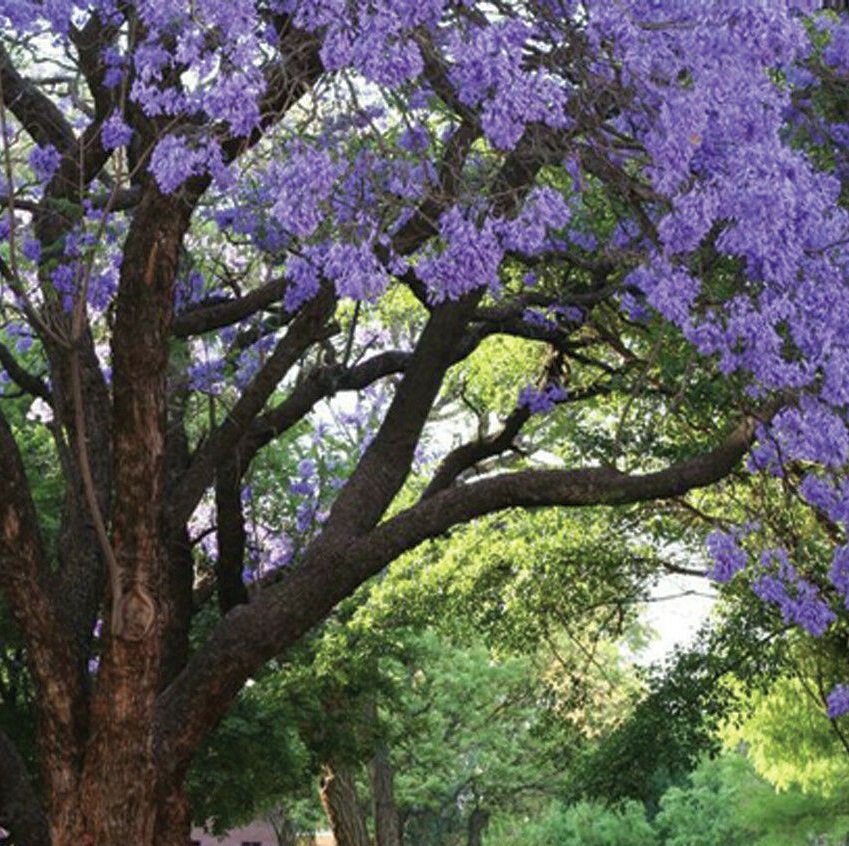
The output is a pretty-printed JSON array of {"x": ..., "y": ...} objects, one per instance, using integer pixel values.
[
  {"x": 468, "y": 728},
  {"x": 583, "y": 824},
  {"x": 676, "y": 723},
  {"x": 252, "y": 760},
  {"x": 486, "y": 381},
  {"x": 516, "y": 577},
  {"x": 790, "y": 740},
  {"x": 703, "y": 813},
  {"x": 726, "y": 803}
]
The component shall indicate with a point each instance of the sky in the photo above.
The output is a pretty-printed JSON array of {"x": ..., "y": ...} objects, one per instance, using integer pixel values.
[{"x": 679, "y": 606}]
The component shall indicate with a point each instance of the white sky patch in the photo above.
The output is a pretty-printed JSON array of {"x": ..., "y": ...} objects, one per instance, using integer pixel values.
[{"x": 679, "y": 606}]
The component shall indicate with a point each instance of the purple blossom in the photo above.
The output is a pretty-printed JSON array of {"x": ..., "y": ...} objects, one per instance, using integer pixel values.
[
  {"x": 836, "y": 52},
  {"x": 728, "y": 558},
  {"x": 670, "y": 290},
  {"x": 839, "y": 573},
  {"x": 115, "y": 132},
  {"x": 415, "y": 139},
  {"x": 190, "y": 290},
  {"x": 31, "y": 249},
  {"x": 356, "y": 271},
  {"x": 544, "y": 210},
  {"x": 303, "y": 184},
  {"x": 489, "y": 72},
  {"x": 470, "y": 258},
  {"x": 541, "y": 401},
  {"x": 302, "y": 275},
  {"x": 837, "y": 701},
  {"x": 207, "y": 376},
  {"x": 64, "y": 279},
  {"x": 234, "y": 98},
  {"x": 798, "y": 600},
  {"x": 114, "y": 62},
  {"x": 174, "y": 160},
  {"x": 305, "y": 516},
  {"x": 44, "y": 162}
]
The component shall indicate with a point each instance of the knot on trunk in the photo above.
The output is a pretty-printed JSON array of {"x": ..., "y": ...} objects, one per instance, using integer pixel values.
[{"x": 135, "y": 614}]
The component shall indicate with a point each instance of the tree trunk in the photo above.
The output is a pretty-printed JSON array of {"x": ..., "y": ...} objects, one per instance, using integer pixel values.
[
  {"x": 387, "y": 822},
  {"x": 284, "y": 827},
  {"x": 344, "y": 814},
  {"x": 478, "y": 821}
]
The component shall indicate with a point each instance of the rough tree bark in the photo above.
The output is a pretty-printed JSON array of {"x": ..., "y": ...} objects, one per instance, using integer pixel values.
[
  {"x": 387, "y": 820},
  {"x": 341, "y": 804},
  {"x": 478, "y": 821}
]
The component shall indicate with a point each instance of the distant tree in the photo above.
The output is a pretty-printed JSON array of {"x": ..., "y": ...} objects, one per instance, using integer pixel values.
[
  {"x": 726, "y": 803},
  {"x": 678, "y": 720},
  {"x": 585, "y": 824}
]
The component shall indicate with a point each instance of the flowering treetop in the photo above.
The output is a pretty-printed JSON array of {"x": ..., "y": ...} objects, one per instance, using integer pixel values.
[{"x": 209, "y": 199}]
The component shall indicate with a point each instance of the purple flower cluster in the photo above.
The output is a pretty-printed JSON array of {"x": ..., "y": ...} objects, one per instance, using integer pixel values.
[
  {"x": 65, "y": 279},
  {"x": 728, "y": 558},
  {"x": 798, "y": 600},
  {"x": 837, "y": 702},
  {"x": 115, "y": 132},
  {"x": 175, "y": 159},
  {"x": 489, "y": 72},
  {"x": 303, "y": 184},
  {"x": 469, "y": 260},
  {"x": 541, "y": 401},
  {"x": 376, "y": 39},
  {"x": 544, "y": 211},
  {"x": 44, "y": 162},
  {"x": 206, "y": 373},
  {"x": 811, "y": 431}
]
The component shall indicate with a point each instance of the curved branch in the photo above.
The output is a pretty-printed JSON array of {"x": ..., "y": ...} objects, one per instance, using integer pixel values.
[
  {"x": 38, "y": 114},
  {"x": 588, "y": 486},
  {"x": 250, "y": 634},
  {"x": 25, "y": 380},
  {"x": 207, "y": 317},
  {"x": 308, "y": 327},
  {"x": 468, "y": 455}
]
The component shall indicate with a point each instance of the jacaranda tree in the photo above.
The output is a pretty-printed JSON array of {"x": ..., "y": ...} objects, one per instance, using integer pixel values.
[{"x": 221, "y": 218}]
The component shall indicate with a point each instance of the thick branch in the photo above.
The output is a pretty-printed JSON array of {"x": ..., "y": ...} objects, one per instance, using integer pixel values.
[
  {"x": 386, "y": 463},
  {"x": 23, "y": 573},
  {"x": 565, "y": 488},
  {"x": 231, "y": 537},
  {"x": 208, "y": 317},
  {"x": 308, "y": 327},
  {"x": 41, "y": 118},
  {"x": 21, "y": 377},
  {"x": 284, "y": 612}
]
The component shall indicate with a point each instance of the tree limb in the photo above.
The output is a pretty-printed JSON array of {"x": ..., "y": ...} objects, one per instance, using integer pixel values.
[
  {"x": 306, "y": 328},
  {"x": 38, "y": 114},
  {"x": 23, "y": 378}
]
